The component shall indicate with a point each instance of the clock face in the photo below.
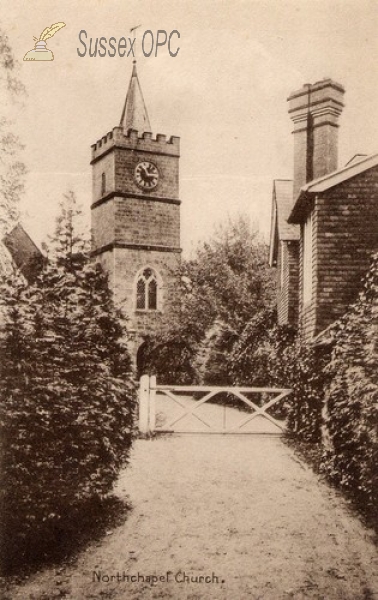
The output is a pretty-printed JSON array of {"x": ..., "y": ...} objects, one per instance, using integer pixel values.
[{"x": 146, "y": 175}]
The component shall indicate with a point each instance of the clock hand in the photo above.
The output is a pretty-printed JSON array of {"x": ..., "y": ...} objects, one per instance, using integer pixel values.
[{"x": 146, "y": 175}]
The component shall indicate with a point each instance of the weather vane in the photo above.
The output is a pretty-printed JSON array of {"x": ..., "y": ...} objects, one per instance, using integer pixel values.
[
  {"x": 134, "y": 28},
  {"x": 132, "y": 42}
]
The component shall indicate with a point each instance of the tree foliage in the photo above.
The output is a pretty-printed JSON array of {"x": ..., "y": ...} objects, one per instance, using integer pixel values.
[
  {"x": 225, "y": 288},
  {"x": 12, "y": 169},
  {"x": 67, "y": 394}
]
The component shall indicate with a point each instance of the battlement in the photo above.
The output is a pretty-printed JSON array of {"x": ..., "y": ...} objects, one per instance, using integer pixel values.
[{"x": 131, "y": 139}]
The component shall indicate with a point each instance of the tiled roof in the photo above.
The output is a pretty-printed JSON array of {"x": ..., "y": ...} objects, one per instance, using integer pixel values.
[
  {"x": 328, "y": 181},
  {"x": 25, "y": 254},
  {"x": 280, "y": 229},
  {"x": 283, "y": 194}
]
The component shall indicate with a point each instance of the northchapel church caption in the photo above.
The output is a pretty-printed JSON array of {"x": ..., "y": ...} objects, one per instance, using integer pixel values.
[{"x": 136, "y": 215}]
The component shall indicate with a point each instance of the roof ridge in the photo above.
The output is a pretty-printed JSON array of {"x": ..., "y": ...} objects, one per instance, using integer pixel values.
[{"x": 348, "y": 167}]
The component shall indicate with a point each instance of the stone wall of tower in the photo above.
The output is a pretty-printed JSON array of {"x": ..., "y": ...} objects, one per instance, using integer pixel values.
[
  {"x": 103, "y": 224},
  {"x": 105, "y": 166},
  {"x": 126, "y": 161},
  {"x": 135, "y": 228},
  {"x": 124, "y": 213},
  {"x": 128, "y": 263},
  {"x": 147, "y": 222}
]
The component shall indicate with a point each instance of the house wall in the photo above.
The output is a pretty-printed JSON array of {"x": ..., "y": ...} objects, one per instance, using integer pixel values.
[
  {"x": 293, "y": 283},
  {"x": 287, "y": 282},
  {"x": 345, "y": 233},
  {"x": 307, "y": 311}
]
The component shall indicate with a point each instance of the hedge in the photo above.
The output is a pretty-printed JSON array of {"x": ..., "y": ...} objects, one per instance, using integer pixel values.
[
  {"x": 351, "y": 401},
  {"x": 67, "y": 403},
  {"x": 335, "y": 396}
]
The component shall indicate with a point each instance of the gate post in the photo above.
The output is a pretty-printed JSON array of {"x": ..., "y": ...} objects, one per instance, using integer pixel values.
[
  {"x": 152, "y": 407},
  {"x": 144, "y": 401}
]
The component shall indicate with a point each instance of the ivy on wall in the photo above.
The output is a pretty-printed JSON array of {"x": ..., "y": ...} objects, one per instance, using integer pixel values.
[
  {"x": 351, "y": 399},
  {"x": 335, "y": 396}
]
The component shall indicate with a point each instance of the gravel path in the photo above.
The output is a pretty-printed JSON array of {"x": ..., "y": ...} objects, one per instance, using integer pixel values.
[{"x": 240, "y": 514}]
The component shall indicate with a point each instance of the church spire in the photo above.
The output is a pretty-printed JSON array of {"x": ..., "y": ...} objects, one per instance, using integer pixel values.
[{"x": 134, "y": 114}]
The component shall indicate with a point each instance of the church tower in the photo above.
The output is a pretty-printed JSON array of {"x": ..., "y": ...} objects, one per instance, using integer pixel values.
[{"x": 136, "y": 215}]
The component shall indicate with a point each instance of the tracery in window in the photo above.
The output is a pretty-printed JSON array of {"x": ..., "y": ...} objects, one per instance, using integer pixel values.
[{"x": 147, "y": 290}]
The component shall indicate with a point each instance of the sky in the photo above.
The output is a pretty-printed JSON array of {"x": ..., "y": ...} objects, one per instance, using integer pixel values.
[{"x": 224, "y": 93}]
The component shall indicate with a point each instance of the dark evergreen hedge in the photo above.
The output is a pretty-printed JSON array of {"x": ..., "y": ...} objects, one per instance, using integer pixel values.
[
  {"x": 308, "y": 380},
  {"x": 351, "y": 408},
  {"x": 335, "y": 397},
  {"x": 67, "y": 400}
]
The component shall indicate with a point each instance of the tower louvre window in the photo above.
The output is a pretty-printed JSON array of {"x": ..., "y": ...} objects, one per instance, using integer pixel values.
[
  {"x": 103, "y": 184},
  {"x": 147, "y": 290}
]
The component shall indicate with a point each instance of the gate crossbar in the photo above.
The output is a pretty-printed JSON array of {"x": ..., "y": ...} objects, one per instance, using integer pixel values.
[
  {"x": 147, "y": 408},
  {"x": 260, "y": 410},
  {"x": 187, "y": 412}
]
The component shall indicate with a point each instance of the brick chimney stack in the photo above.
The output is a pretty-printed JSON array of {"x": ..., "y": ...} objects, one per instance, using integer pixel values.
[{"x": 315, "y": 111}]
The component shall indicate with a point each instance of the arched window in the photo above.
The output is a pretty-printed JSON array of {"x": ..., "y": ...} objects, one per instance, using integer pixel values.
[{"x": 147, "y": 290}]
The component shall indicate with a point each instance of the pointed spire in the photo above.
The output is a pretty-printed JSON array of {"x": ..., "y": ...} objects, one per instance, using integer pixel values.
[{"x": 134, "y": 114}]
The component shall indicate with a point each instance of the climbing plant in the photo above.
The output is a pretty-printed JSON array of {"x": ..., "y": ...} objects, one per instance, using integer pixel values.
[{"x": 351, "y": 409}]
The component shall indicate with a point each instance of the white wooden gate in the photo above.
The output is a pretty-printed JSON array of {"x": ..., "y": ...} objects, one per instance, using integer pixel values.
[{"x": 191, "y": 409}]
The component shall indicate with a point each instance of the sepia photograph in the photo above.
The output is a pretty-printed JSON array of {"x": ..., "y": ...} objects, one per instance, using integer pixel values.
[{"x": 189, "y": 300}]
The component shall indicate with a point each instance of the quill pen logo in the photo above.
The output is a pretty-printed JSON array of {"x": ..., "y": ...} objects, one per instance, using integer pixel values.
[{"x": 41, "y": 52}]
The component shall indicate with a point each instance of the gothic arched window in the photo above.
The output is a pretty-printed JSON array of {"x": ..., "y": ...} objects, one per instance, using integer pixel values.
[{"x": 147, "y": 290}]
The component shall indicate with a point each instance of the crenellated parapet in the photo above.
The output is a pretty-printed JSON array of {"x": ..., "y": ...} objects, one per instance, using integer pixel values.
[{"x": 133, "y": 141}]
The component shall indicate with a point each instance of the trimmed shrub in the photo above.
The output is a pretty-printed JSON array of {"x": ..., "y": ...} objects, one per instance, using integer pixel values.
[
  {"x": 307, "y": 378},
  {"x": 335, "y": 397},
  {"x": 67, "y": 400}
]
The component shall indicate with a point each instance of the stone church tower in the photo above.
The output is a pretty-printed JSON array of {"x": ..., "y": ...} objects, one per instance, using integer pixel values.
[{"x": 136, "y": 216}]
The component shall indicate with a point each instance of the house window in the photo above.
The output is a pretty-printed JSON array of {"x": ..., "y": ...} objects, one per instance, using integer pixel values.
[
  {"x": 147, "y": 290},
  {"x": 103, "y": 184},
  {"x": 307, "y": 260}
]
